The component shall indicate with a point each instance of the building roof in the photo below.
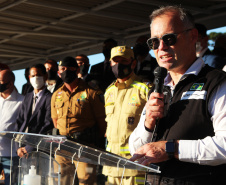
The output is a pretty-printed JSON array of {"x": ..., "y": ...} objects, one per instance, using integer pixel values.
[{"x": 34, "y": 30}]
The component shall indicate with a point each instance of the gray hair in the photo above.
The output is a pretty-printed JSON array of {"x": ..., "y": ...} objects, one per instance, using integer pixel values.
[{"x": 185, "y": 16}]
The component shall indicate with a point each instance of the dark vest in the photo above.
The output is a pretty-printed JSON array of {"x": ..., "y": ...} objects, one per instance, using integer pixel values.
[{"x": 189, "y": 119}]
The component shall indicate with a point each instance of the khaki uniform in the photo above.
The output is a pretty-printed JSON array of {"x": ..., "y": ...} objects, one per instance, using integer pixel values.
[
  {"x": 124, "y": 103},
  {"x": 75, "y": 112}
]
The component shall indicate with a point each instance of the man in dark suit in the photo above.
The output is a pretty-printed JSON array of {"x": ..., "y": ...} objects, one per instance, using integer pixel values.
[
  {"x": 102, "y": 73},
  {"x": 203, "y": 51},
  {"x": 35, "y": 113},
  {"x": 146, "y": 64},
  {"x": 53, "y": 81}
]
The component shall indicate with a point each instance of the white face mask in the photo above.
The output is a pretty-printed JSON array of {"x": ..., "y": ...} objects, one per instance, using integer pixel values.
[
  {"x": 198, "y": 47},
  {"x": 37, "y": 82}
]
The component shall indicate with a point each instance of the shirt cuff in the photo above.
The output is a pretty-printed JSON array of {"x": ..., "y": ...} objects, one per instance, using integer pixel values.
[
  {"x": 144, "y": 134},
  {"x": 187, "y": 150}
]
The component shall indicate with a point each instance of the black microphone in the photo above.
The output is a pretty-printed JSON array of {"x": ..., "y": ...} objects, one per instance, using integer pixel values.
[{"x": 160, "y": 74}]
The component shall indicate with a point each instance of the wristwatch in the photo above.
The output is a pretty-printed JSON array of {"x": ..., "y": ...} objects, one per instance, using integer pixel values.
[{"x": 170, "y": 148}]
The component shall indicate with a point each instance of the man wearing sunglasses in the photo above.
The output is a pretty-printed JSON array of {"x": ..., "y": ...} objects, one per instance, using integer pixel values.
[{"x": 190, "y": 142}]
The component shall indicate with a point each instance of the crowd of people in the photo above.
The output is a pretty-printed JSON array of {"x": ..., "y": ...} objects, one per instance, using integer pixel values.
[{"x": 115, "y": 107}]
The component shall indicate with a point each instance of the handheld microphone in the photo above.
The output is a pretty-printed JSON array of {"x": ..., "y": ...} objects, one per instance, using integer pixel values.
[{"x": 160, "y": 74}]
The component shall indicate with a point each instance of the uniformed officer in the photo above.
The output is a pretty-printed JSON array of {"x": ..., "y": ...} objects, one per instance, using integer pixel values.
[
  {"x": 75, "y": 107},
  {"x": 124, "y": 101}
]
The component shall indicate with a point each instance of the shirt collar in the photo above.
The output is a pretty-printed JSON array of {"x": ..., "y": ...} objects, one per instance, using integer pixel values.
[
  {"x": 126, "y": 83},
  {"x": 12, "y": 96},
  {"x": 39, "y": 94},
  {"x": 202, "y": 52},
  {"x": 194, "y": 69}
]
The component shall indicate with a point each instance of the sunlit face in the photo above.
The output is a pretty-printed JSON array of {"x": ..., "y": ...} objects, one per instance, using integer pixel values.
[
  {"x": 178, "y": 56},
  {"x": 3, "y": 79},
  {"x": 48, "y": 66},
  {"x": 35, "y": 72}
]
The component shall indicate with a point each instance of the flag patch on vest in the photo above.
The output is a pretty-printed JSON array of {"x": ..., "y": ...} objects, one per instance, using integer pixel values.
[
  {"x": 194, "y": 95},
  {"x": 197, "y": 87}
]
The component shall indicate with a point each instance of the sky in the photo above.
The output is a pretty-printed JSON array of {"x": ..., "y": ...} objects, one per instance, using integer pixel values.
[{"x": 94, "y": 59}]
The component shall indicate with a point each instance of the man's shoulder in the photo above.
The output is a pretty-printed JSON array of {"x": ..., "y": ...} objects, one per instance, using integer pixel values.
[
  {"x": 20, "y": 97},
  {"x": 59, "y": 90},
  {"x": 214, "y": 61}
]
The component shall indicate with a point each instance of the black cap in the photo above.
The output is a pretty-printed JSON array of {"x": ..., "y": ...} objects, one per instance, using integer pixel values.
[
  {"x": 69, "y": 62},
  {"x": 201, "y": 29}
]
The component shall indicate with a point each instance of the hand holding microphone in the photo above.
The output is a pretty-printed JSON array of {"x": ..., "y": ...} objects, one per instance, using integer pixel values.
[{"x": 155, "y": 103}]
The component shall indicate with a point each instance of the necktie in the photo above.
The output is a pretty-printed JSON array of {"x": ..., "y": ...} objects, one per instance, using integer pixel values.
[{"x": 34, "y": 103}]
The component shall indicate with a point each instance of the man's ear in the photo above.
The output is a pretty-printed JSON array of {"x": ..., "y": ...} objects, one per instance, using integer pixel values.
[{"x": 134, "y": 63}]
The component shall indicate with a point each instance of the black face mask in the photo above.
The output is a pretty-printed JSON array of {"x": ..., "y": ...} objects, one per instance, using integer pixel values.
[
  {"x": 3, "y": 87},
  {"x": 121, "y": 71},
  {"x": 68, "y": 76},
  {"x": 52, "y": 75},
  {"x": 141, "y": 49},
  {"x": 107, "y": 52},
  {"x": 84, "y": 69}
]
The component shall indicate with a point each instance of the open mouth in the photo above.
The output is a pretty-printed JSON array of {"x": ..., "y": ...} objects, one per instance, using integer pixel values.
[{"x": 165, "y": 56}]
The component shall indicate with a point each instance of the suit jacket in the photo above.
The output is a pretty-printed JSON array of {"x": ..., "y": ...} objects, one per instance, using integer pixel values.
[
  {"x": 27, "y": 88},
  {"x": 40, "y": 121},
  {"x": 102, "y": 74},
  {"x": 213, "y": 60}
]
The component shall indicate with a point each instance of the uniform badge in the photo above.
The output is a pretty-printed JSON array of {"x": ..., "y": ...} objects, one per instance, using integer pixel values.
[
  {"x": 197, "y": 87},
  {"x": 110, "y": 98},
  {"x": 59, "y": 97},
  {"x": 83, "y": 96},
  {"x": 131, "y": 120},
  {"x": 134, "y": 100}
]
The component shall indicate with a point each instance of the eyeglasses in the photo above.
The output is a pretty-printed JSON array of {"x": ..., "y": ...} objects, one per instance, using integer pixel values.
[{"x": 169, "y": 39}]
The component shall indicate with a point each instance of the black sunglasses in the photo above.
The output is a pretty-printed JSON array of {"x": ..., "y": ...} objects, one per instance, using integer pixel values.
[{"x": 169, "y": 39}]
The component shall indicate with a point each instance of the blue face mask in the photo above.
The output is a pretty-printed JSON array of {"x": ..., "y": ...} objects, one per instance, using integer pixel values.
[{"x": 3, "y": 87}]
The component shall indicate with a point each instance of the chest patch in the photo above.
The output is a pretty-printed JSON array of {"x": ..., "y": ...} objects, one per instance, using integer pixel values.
[
  {"x": 59, "y": 97},
  {"x": 110, "y": 98},
  {"x": 83, "y": 96},
  {"x": 197, "y": 87},
  {"x": 188, "y": 95},
  {"x": 134, "y": 100}
]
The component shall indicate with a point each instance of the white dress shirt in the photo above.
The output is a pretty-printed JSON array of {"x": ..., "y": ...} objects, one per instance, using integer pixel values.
[
  {"x": 9, "y": 109},
  {"x": 207, "y": 151}
]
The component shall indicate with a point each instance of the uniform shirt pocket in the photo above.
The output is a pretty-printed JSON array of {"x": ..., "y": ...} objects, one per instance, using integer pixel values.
[{"x": 59, "y": 108}]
